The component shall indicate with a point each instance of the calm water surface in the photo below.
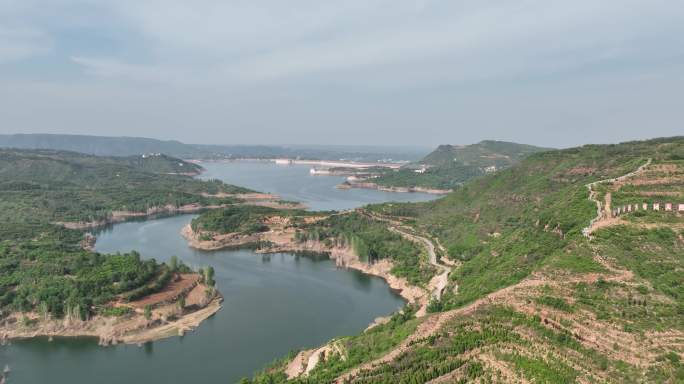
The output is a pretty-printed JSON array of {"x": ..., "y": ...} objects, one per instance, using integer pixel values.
[
  {"x": 273, "y": 303},
  {"x": 294, "y": 182}
]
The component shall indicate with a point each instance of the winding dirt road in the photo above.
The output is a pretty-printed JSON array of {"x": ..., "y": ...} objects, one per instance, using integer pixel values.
[
  {"x": 439, "y": 282},
  {"x": 595, "y": 222},
  {"x": 434, "y": 322}
]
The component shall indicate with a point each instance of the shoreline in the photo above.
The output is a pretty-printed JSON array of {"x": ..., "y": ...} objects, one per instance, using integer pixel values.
[
  {"x": 286, "y": 161},
  {"x": 128, "y": 329},
  {"x": 134, "y": 328},
  {"x": 123, "y": 216},
  {"x": 257, "y": 199},
  {"x": 281, "y": 241},
  {"x": 371, "y": 185}
]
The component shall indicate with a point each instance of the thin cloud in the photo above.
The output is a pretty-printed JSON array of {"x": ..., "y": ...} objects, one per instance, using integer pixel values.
[
  {"x": 241, "y": 41},
  {"x": 21, "y": 42},
  {"x": 376, "y": 69}
]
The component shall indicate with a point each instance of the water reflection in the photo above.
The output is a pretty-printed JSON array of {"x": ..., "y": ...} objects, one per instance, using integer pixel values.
[
  {"x": 273, "y": 303},
  {"x": 148, "y": 348}
]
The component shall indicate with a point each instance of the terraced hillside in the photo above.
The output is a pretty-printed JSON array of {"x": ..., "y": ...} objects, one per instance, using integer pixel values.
[{"x": 536, "y": 293}]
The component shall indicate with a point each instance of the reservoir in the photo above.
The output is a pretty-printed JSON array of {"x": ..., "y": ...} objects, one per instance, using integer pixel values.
[
  {"x": 273, "y": 303},
  {"x": 293, "y": 182}
]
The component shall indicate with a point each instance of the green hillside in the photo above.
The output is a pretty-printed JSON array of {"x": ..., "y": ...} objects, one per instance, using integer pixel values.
[
  {"x": 530, "y": 297},
  {"x": 483, "y": 154},
  {"x": 99, "y": 145},
  {"x": 532, "y": 213},
  {"x": 161, "y": 163},
  {"x": 68, "y": 186},
  {"x": 44, "y": 267},
  {"x": 449, "y": 166}
]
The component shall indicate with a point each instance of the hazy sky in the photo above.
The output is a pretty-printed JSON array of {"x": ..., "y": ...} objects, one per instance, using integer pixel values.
[{"x": 547, "y": 72}]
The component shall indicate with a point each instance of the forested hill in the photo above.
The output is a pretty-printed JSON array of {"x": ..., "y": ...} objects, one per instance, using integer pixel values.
[
  {"x": 69, "y": 186},
  {"x": 37, "y": 165},
  {"x": 487, "y": 153},
  {"x": 99, "y": 145},
  {"x": 43, "y": 267},
  {"x": 451, "y": 165},
  {"x": 547, "y": 284},
  {"x": 531, "y": 212}
]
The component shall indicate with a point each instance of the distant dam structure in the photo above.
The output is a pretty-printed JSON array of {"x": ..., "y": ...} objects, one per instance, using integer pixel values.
[
  {"x": 284, "y": 161},
  {"x": 338, "y": 163}
]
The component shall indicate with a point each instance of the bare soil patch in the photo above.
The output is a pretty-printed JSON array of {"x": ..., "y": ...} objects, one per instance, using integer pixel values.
[{"x": 176, "y": 288}]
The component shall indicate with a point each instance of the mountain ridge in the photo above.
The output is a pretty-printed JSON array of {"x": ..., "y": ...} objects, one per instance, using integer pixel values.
[{"x": 129, "y": 145}]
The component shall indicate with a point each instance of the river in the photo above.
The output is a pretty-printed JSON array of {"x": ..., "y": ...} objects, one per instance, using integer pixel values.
[{"x": 273, "y": 303}]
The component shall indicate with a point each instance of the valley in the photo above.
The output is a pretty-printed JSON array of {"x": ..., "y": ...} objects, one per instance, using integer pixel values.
[{"x": 535, "y": 272}]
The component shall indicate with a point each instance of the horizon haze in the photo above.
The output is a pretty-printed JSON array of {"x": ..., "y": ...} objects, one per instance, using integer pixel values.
[{"x": 420, "y": 72}]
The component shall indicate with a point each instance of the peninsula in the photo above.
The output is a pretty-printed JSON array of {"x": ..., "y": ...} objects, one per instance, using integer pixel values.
[
  {"x": 50, "y": 197},
  {"x": 446, "y": 168}
]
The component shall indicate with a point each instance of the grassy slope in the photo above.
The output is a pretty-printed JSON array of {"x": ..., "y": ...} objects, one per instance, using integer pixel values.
[
  {"x": 507, "y": 225},
  {"x": 528, "y": 219},
  {"x": 483, "y": 154},
  {"x": 450, "y": 166}
]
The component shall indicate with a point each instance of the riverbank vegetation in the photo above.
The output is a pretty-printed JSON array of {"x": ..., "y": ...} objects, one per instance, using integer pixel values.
[
  {"x": 372, "y": 241},
  {"x": 358, "y": 349},
  {"x": 70, "y": 187},
  {"x": 43, "y": 266},
  {"x": 245, "y": 219}
]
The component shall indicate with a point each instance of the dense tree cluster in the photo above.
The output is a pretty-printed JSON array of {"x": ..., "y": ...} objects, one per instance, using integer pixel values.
[
  {"x": 43, "y": 267},
  {"x": 372, "y": 241}
]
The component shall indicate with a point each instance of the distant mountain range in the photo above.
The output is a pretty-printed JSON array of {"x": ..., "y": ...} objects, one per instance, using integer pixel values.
[
  {"x": 98, "y": 145},
  {"x": 128, "y": 146}
]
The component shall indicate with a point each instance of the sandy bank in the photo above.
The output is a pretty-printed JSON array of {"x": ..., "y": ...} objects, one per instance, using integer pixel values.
[
  {"x": 186, "y": 323},
  {"x": 133, "y": 328},
  {"x": 229, "y": 240},
  {"x": 166, "y": 317}
]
